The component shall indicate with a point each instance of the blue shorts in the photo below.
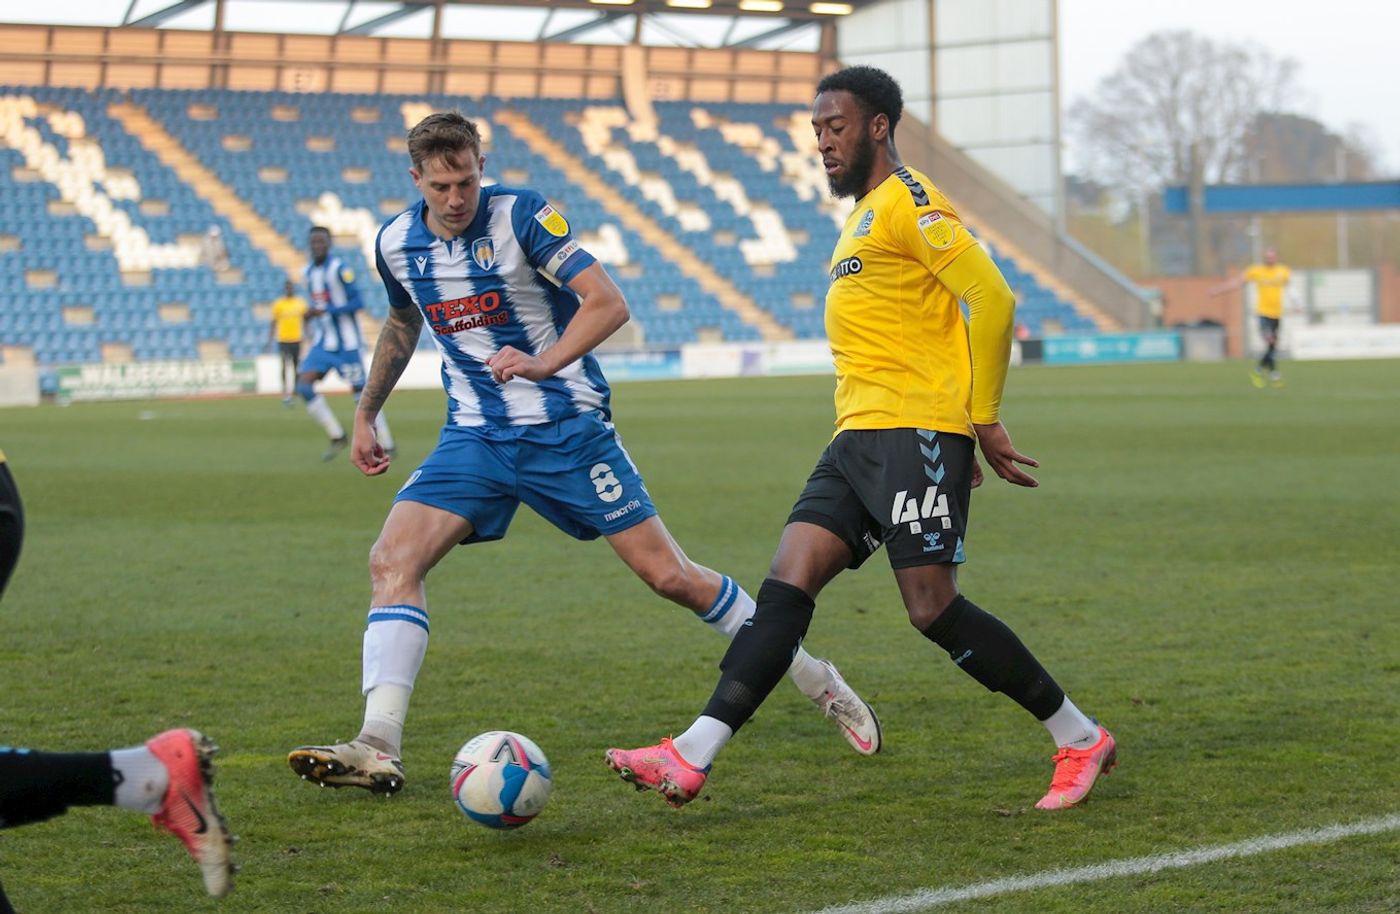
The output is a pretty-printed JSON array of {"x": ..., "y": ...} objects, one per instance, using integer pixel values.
[
  {"x": 574, "y": 473},
  {"x": 346, "y": 363}
]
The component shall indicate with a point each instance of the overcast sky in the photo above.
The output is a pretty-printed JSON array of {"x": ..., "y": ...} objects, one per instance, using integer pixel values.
[{"x": 1348, "y": 50}]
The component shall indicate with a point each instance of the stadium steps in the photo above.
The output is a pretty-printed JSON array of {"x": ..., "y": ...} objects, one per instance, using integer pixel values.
[
  {"x": 139, "y": 123},
  {"x": 633, "y": 218}
]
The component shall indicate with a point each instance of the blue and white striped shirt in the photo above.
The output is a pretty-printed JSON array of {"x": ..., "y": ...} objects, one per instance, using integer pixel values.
[
  {"x": 499, "y": 283},
  {"x": 331, "y": 287}
]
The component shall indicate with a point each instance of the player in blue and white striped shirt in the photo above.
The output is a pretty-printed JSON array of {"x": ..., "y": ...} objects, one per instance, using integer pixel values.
[
  {"x": 334, "y": 324},
  {"x": 515, "y": 307}
]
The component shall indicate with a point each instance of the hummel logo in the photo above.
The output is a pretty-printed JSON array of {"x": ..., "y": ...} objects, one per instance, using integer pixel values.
[
  {"x": 422, "y": 264},
  {"x": 199, "y": 816}
]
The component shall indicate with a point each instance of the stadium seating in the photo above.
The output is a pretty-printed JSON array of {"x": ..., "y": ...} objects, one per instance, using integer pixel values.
[
  {"x": 106, "y": 230},
  {"x": 103, "y": 252}
]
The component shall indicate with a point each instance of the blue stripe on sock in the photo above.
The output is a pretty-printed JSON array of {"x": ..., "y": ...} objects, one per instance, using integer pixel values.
[
  {"x": 724, "y": 601},
  {"x": 401, "y": 612}
]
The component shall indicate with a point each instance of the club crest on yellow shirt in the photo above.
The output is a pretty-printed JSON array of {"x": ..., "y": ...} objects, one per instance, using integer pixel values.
[
  {"x": 937, "y": 231},
  {"x": 553, "y": 221}
]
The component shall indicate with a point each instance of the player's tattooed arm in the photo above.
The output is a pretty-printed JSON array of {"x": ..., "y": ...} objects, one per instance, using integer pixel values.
[{"x": 398, "y": 338}]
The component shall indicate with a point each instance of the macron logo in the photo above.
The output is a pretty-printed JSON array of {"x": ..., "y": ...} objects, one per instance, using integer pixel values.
[{"x": 422, "y": 264}]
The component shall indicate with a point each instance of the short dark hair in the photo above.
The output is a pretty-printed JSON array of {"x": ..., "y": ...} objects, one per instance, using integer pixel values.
[
  {"x": 320, "y": 228},
  {"x": 875, "y": 90},
  {"x": 442, "y": 136}
]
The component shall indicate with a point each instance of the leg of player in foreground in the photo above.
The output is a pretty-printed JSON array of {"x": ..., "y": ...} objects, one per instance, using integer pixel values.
[
  {"x": 169, "y": 778},
  {"x": 414, "y": 539},
  {"x": 822, "y": 538}
]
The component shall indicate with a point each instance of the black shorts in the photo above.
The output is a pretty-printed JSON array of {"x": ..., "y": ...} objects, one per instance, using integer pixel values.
[
  {"x": 1268, "y": 327},
  {"x": 906, "y": 488},
  {"x": 290, "y": 351},
  {"x": 11, "y": 525}
]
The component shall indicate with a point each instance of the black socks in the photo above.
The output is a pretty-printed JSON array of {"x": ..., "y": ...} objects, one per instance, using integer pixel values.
[
  {"x": 761, "y": 652},
  {"x": 989, "y": 652}
]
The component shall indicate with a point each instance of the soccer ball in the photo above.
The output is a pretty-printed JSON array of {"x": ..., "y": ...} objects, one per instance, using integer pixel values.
[{"x": 500, "y": 779}]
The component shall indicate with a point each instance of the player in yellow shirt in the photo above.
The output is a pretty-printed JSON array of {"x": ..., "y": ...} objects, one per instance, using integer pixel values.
[
  {"x": 288, "y": 316},
  {"x": 1270, "y": 280},
  {"x": 916, "y": 386}
]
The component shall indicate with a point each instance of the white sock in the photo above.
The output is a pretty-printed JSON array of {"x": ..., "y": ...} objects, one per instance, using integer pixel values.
[
  {"x": 809, "y": 674},
  {"x": 701, "y": 743},
  {"x": 396, "y": 638},
  {"x": 386, "y": 706},
  {"x": 318, "y": 409},
  {"x": 381, "y": 431},
  {"x": 1069, "y": 727},
  {"x": 733, "y": 607},
  {"x": 142, "y": 779}
]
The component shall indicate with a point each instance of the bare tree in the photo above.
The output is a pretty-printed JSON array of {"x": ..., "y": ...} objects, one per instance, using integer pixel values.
[
  {"x": 1291, "y": 147},
  {"x": 1177, "y": 97}
]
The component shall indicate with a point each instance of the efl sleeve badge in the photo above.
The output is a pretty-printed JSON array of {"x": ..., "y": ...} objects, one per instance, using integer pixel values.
[
  {"x": 553, "y": 221},
  {"x": 939, "y": 232}
]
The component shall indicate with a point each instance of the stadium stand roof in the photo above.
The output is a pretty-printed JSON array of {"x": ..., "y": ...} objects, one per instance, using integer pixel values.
[{"x": 768, "y": 24}]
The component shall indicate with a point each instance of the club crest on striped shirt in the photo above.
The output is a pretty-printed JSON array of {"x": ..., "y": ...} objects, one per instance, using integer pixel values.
[{"x": 484, "y": 253}]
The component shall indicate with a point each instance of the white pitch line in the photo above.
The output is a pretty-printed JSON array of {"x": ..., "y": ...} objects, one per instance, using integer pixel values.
[{"x": 933, "y": 898}]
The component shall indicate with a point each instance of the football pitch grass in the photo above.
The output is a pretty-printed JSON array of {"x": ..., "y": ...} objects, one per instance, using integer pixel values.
[{"x": 1210, "y": 569}]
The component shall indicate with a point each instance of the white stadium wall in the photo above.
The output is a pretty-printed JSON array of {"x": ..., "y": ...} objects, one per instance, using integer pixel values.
[{"x": 983, "y": 73}]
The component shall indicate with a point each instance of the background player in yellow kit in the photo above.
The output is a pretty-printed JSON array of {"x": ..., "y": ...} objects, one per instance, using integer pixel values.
[
  {"x": 288, "y": 318},
  {"x": 1270, "y": 280}
]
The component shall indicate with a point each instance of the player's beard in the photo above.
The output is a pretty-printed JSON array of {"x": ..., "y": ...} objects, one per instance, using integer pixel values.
[{"x": 852, "y": 182}]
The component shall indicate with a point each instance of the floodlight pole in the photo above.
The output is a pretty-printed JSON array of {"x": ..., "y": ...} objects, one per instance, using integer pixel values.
[
  {"x": 219, "y": 72},
  {"x": 437, "y": 50}
]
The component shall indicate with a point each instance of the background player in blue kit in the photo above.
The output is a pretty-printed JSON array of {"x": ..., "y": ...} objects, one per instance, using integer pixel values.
[
  {"x": 334, "y": 323},
  {"x": 515, "y": 306}
]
